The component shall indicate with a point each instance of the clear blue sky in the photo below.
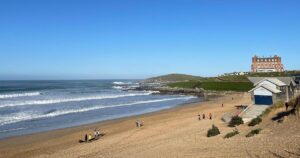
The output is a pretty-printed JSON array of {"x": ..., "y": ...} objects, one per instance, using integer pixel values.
[{"x": 100, "y": 39}]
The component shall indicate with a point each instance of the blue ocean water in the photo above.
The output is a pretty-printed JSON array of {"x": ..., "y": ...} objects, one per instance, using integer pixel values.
[{"x": 34, "y": 106}]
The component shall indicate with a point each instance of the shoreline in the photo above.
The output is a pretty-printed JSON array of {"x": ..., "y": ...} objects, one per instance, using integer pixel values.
[
  {"x": 56, "y": 141},
  {"x": 201, "y": 99},
  {"x": 110, "y": 120}
]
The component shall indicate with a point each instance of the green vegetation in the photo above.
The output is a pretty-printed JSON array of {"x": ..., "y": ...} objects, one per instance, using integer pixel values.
[
  {"x": 253, "y": 132},
  {"x": 235, "y": 121},
  {"x": 255, "y": 121},
  {"x": 174, "y": 78},
  {"x": 231, "y": 134},
  {"x": 213, "y": 85},
  {"x": 189, "y": 84},
  {"x": 213, "y": 131},
  {"x": 227, "y": 86},
  {"x": 233, "y": 78}
]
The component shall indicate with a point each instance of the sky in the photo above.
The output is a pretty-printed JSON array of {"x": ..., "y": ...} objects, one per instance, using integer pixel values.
[{"x": 136, "y": 39}]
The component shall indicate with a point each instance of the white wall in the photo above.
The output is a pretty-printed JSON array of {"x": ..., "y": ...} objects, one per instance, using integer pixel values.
[{"x": 262, "y": 91}]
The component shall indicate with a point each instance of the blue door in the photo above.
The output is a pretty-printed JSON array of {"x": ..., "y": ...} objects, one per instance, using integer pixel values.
[{"x": 263, "y": 100}]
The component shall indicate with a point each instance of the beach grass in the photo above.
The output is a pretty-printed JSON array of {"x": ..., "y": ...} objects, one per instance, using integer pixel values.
[{"x": 231, "y": 134}]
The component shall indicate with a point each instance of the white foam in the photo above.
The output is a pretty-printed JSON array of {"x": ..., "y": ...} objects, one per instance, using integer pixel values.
[
  {"x": 117, "y": 87},
  {"x": 154, "y": 92},
  {"x": 25, "y": 116},
  {"x": 121, "y": 83},
  {"x": 54, "y": 101},
  {"x": 14, "y": 95},
  {"x": 118, "y": 83}
]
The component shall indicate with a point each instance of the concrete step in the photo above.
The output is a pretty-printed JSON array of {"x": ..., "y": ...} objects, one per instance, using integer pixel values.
[{"x": 253, "y": 111}]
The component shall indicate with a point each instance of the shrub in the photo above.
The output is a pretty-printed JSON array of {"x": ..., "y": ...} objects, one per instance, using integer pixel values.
[
  {"x": 255, "y": 121},
  {"x": 213, "y": 131},
  {"x": 231, "y": 134},
  {"x": 253, "y": 132},
  {"x": 235, "y": 121}
]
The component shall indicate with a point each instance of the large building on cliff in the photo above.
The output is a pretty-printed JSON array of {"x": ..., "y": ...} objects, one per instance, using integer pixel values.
[{"x": 267, "y": 64}]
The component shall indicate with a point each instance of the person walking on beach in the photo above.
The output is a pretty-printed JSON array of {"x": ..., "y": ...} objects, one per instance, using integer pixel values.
[
  {"x": 98, "y": 133},
  {"x": 95, "y": 134},
  {"x": 86, "y": 138},
  {"x": 286, "y": 106},
  {"x": 199, "y": 116},
  {"x": 222, "y": 105},
  {"x": 210, "y": 116},
  {"x": 203, "y": 116}
]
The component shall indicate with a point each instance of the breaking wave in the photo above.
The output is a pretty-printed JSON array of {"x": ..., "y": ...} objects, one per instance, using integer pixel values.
[
  {"x": 54, "y": 101},
  {"x": 54, "y": 113},
  {"x": 14, "y": 95},
  {"x": 118, "y": 87},
  {"x": 121, "y": 83}
]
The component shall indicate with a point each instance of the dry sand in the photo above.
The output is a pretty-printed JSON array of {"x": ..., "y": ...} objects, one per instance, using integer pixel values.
[{"x": 170, "y": 133}]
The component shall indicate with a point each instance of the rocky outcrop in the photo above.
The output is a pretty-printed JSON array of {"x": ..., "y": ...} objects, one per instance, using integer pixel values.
[{"x": 168, "y": 90}]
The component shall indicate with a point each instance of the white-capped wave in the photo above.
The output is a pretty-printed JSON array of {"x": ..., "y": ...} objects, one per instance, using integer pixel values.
[
  {"x": 55, "y": 101},
  {"x": 121, "y": 83},
  {"x": 14, "y": 95},
  {"x": 25, "y": 116},
  {"x": 154, "y": 92},
  {"x": 117, "y": 87},
  {"x": 118, "y": 83}
]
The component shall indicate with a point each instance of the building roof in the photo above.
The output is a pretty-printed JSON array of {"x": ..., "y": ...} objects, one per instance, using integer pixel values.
[
  {"x": 272, "y": 80},
  {"x": 267, "y": 87},
  {"x": 286, "y": 80}
]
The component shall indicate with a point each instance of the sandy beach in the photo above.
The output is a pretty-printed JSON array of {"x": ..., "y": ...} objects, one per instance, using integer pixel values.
[{"x": 175, "y": 132}]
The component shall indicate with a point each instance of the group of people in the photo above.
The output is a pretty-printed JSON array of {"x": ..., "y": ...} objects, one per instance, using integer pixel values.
[
  {"x": 89, "y": 137},
  {"x": 203, "y": 116},
  {"x": 139, "y": 123}
]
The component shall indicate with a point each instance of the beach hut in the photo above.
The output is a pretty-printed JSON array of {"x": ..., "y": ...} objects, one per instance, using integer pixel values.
[
  {"x": 265, "y": 94},
  {"x": 287, "y": 85}
]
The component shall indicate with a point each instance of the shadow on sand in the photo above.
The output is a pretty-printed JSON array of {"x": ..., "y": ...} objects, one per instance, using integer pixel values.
[{"x": 280, "y": 115}]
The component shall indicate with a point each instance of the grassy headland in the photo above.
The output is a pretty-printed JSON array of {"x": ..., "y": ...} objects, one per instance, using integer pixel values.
[
  {"x": 173, "y": 78},
  {"x": 214, "y": 85},
  {"x": 239, "y": 83}
]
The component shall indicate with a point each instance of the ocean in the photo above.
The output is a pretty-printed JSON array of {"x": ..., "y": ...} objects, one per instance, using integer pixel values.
[{"x": 34, "y": 106}]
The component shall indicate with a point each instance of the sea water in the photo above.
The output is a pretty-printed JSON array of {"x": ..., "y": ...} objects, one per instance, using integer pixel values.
[{"x": 34, "y": 106}]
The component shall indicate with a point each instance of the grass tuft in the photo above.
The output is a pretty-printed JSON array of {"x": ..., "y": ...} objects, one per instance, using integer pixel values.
[
  {"x": 231, "y": 134},
  {"x": 213, "y": 131},
  {"x": 235, "y": 121},
  {"x": 255, "y": 121},
  {"x": 254, "y": 132}
]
